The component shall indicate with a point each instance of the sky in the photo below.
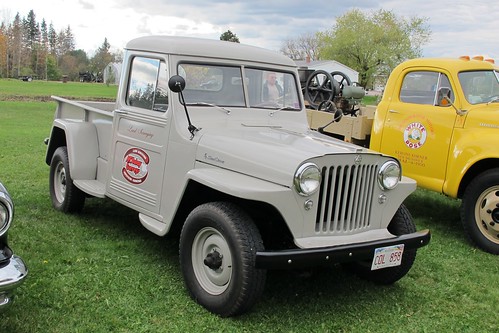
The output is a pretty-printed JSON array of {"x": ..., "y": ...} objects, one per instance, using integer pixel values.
[{"x": 458, "y": 27}]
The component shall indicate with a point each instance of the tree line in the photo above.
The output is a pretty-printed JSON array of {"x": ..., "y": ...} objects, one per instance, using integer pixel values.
[
  {"x": 372, "y": 43},
  {"x": 32, "y": 48}
]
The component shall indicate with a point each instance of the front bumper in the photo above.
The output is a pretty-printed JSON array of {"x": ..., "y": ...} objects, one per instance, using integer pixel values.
[
  {"x": 299, "y": 258},
  {"x": 11, "y": 276}
]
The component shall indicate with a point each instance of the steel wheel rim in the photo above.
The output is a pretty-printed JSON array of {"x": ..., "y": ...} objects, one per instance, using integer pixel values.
[
  {"x": 214, "y": 281},
  {"x": 60, "y": 182},
  {"x": 487, "y": 214}
]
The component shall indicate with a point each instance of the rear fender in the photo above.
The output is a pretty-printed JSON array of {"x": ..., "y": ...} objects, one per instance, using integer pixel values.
[{"x": 82, "y": 144}]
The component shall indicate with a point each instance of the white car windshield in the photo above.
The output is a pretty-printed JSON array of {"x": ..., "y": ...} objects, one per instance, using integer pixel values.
[{"x": 223, "y": 86}]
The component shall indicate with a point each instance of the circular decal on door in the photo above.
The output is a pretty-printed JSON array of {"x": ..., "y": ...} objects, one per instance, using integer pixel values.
[
  {"x": 135, "y": 165},
  {"x": 415, "y": 135}
]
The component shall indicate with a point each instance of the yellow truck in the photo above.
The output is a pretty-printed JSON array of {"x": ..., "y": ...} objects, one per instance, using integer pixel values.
[{"x": 440, "y": 118}]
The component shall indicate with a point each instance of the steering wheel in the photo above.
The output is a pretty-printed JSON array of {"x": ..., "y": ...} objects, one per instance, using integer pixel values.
[
  {"x": 319, "y": 87},
  {"x": 342, "y": 79}
]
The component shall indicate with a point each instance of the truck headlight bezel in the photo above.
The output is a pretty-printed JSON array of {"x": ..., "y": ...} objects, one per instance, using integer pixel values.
[
  {"x": 307, "y": 179},
  {"x": 389, "y": 175},
  {"x": 5, "y": 218}
]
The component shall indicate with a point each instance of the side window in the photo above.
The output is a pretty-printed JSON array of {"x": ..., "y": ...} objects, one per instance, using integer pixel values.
[
  {"x": 148, "y": 85},
  {"x": 419, "y": 87}
]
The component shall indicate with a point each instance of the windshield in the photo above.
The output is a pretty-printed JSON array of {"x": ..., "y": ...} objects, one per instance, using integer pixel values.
[
  {"x": 480, "y": 86},
  {"x": 223, "y": 86}
]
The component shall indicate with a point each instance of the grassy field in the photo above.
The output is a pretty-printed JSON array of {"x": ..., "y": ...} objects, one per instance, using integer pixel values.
[
  {"x": 17, "y": 90},
  {"x": 101, "y": 271}
]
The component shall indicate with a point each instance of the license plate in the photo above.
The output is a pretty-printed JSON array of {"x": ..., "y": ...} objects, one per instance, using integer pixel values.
[{"x": 387, "y": 256}]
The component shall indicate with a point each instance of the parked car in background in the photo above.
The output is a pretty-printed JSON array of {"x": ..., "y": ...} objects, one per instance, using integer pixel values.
[{"x": 13, "y": 271}]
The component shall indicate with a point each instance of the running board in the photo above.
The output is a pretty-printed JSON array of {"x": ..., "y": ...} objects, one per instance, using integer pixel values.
[{"x": 93, "y": 187}]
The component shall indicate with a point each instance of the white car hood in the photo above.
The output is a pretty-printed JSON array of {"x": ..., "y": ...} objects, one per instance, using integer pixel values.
[{"x": 270, "y": 153}]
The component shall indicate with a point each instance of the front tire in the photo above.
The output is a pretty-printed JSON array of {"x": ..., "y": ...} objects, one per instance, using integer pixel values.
[
  {"x": 480, "y": 211},
  {"x": 218, "y": 246},
  {"x": 401, "y": 224},
  {"x": 65, "y": 196}
]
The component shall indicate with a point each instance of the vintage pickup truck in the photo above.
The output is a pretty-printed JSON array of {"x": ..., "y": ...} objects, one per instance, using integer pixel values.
[
  {"x": 440, "y": 118},
  {"x": 211, "y": 138}
]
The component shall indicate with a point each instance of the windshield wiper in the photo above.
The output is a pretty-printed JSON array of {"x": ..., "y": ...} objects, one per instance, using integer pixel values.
[
  {"x": 227, "y": 111},
  {"x": 284, "y": 108}
]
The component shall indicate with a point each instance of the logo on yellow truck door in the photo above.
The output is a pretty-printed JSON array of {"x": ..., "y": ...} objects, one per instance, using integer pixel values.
[{"x": 415, "y": 135}]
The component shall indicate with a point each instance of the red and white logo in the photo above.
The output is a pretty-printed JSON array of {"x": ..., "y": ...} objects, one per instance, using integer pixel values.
[
  {"x": 415, "y": 135},
  {"x": 135, "y": 165}
]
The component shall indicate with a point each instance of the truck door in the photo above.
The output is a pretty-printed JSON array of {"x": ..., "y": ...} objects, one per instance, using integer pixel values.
[
  {"x": 140, "y": 138},
  {"x": 416, "y": 130}
]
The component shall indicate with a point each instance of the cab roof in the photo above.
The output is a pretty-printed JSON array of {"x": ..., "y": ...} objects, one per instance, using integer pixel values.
[
  {"x": 189, "y": 46},
  {"x": 453, "y": 64}
]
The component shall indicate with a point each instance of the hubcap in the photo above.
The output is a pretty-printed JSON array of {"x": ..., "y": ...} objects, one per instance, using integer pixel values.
[
  {"x": 211, "y": 260},
  {"x": 487, "y": 214},
  {"x": 60, "y": 182}
]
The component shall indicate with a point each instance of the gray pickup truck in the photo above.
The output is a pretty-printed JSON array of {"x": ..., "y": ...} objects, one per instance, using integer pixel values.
[{"x": 211, "y": 138}]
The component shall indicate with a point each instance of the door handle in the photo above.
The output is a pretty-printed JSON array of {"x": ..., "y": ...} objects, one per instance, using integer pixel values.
[
  {"x": 120, "y": 111},
  {"x": 393, "y": 111}
]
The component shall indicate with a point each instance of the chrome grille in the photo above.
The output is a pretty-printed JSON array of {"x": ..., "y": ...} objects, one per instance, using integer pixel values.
[{"x": 345, "y": 198}]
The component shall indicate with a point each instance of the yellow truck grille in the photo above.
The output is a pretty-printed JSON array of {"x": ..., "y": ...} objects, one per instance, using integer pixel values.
[{"x": 345, "y": 198}]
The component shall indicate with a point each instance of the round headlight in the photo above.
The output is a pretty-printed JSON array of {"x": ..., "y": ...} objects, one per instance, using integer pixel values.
[
  {"x": 4, "y": 218},
  {"x": 307, "y": 179},
  {"x": 389, "y": 175}
]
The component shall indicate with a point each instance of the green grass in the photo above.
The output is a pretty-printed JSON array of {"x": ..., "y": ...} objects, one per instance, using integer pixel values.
[
  {"x": 101, "y": 271},
  {"x": 18, "y": 90}
]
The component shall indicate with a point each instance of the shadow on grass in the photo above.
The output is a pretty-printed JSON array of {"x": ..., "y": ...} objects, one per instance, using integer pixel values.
[{"x": 433, "y": 206}]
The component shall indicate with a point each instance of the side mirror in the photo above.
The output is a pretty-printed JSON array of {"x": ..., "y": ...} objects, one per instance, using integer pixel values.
[
  {"x": 443, "y": 97},
  {"x": 176, "y": 83}
]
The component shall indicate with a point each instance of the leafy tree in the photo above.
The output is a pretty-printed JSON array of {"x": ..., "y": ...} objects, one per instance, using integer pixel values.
[
  {"x": 53, "y": 72},
  {"x": 229, "y": 36},
  {"x": 3, "y": 51},
  {"x": 15, "y": 46},
  {"x": 373, "y": 43},
  {"x": 101, "y": 58},
  {"x": 72, "y": 63},
  {"x": 65, "y": 41},
  {"x": 301, "y": 48},
  {"x": 52, "y": 39}
]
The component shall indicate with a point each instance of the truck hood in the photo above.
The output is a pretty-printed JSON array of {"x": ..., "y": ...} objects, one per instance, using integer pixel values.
[
  {"x": 483, "y": 116},
  {"x": 270, "y": 153}
]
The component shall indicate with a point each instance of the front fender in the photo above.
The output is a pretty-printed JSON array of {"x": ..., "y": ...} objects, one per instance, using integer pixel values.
[
  {"x": 82, "y": 144},
  {"x": 242, "y": 186},
  {"x": 470, "y": 148}
]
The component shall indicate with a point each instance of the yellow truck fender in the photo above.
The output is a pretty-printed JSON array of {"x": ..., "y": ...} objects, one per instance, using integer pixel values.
[{"x": 469, "y": 148}]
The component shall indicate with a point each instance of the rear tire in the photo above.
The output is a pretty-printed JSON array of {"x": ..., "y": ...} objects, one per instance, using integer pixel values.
[
  {"x": 218, "y": 247},
  {"x": 400, "y": 224},
  {"x": 480, "y": 211},
  {"x": 65, "y": 196}
]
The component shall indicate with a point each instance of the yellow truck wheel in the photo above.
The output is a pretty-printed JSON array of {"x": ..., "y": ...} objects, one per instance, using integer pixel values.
[{"x": 480, "y": 211}]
